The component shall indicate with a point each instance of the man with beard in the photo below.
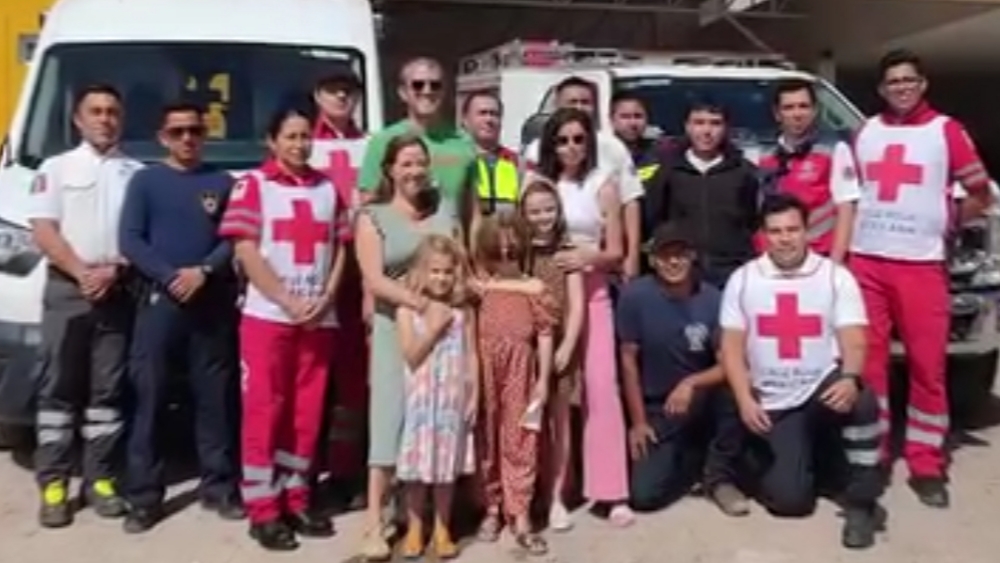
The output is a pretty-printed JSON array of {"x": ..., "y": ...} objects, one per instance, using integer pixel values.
[{"x": 793, "y": 344}]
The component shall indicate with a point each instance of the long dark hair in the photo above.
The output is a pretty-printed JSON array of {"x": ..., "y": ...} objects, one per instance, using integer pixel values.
[
  {"x": 386, "y": 190},
  {"x": 548, "y": 160}
]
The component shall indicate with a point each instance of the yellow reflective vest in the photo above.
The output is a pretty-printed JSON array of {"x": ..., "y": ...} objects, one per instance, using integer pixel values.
[{"x": 498, "y": 184}]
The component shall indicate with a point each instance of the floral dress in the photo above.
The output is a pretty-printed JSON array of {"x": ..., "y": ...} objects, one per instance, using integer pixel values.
[{"x": 437, "y": 443}]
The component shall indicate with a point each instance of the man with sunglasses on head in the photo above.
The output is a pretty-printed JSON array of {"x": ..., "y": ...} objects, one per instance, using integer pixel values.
[
  {"x": 169, "y": 232},
  {"x": 453, "y": 154},
  {"x": 910, "y": 158}
]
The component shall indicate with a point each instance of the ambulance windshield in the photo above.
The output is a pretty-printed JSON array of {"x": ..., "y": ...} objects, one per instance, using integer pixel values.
[
  {"x": 748, "y": 102},
  {"x": 240, "y": 85}
]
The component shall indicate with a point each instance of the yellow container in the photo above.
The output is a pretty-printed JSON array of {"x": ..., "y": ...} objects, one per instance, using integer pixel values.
[{"x": 20, "y": 21}]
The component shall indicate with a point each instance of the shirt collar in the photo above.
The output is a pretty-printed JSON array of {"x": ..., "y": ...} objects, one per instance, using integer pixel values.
[
  {"x": 769, "y": 269},
  {"x": 324, "y": 130},
  {"x": 917, "y": 116},
  {"x": 87, "y": 149},
  {"x": 274, "y": 172}
]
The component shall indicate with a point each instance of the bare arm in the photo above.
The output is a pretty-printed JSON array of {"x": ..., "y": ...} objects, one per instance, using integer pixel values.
[
  {"x": 545, "y": 352},
  {"x": 336, "y": 270},
  {"x": 573, "y": 323},
  {"x": 629, "y": 354},
  {"x": 610, "y": 256},
  {"x": 367, "y": 241},
  {"x": 50, "y": 241},
  {"x": 632, "y": 221},
  {"x": 260, "y": 273},
  {"x": 853, "y": 346},
  {"x": 734, "y": 365},
  {"x": 471, "y": 351},
  {"x": 415, "y": 347},
  {"x": 843, "y": 231},
  {"x": 710, "y": 377}
]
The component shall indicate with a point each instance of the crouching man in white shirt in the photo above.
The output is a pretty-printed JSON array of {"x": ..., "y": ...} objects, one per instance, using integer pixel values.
[{"x": 793, "y": 345}]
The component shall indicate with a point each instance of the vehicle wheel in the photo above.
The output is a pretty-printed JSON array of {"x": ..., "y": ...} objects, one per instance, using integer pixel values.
[
  {"x": 15, "y": 437},
  {"x": 970, "y": 386}
]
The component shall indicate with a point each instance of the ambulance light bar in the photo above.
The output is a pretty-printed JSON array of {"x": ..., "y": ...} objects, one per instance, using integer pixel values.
[{"x": 554, "y": 54}]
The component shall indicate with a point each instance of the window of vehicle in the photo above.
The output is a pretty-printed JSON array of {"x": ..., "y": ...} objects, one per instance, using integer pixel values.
[
  {"x": 749, "y": 103},
  {"x": 240, "y": 86}
]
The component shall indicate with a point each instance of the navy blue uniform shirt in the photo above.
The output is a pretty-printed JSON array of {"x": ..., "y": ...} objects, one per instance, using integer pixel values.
[
  {"x": 677, "y": 337},
  {"x": 170, "y": 220}
]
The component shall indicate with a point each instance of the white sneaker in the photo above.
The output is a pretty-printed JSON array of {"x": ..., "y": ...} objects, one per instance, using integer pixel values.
[{"x": 559, "y": 518}]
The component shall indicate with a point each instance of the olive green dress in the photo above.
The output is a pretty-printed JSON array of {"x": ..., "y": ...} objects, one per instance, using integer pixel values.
[{"x": 400, "y": 239}]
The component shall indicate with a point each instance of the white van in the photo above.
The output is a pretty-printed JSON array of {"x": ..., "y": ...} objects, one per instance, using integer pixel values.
[{"x": 241, "y": 59}]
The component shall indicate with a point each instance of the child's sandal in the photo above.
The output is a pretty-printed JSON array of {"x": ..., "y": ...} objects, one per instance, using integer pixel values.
[
  {"x": 532, "y": 543},
  {"x": 489, "y": 529}
]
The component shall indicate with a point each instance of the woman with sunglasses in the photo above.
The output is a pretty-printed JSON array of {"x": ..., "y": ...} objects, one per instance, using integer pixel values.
[{"x": 589, "y": 197}]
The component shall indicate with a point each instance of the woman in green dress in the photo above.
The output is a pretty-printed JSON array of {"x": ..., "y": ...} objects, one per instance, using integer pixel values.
[{"x": 388, "y": 231}]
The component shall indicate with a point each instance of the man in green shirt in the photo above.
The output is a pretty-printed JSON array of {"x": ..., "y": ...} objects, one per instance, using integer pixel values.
[{"x": 453, "y": 154}]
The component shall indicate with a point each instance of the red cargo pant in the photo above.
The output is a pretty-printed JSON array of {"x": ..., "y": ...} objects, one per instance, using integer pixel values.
[
  {"x": 913, "y": 297},
  {"x": 283, "y": 383},
  {"x": 346, "y": 452}
]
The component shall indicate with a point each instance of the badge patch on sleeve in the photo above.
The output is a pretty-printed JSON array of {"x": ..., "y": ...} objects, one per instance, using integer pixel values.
[
  {"x": 39, "y": 185},
  {"x": 239, "y": 190}
]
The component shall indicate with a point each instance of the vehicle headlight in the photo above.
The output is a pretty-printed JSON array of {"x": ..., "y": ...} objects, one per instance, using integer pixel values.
[{"x": 18, "y": 253}]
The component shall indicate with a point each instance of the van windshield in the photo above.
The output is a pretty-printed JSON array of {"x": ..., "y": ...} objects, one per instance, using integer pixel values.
[
  {"x": 748, "y": 101},
  {"x": 240, "y": 85}
]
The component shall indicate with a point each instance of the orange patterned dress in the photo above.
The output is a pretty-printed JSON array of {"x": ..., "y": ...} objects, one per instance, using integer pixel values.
[
  {"x": 543, "y": 267},
  {"x": 509, "y": 325}
]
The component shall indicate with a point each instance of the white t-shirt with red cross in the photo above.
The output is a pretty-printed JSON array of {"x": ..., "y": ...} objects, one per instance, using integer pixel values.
[
  {"x": 790, "y": 320},
  {"x": 296, "y": 219},
  {"x": 909, "y": 168}
]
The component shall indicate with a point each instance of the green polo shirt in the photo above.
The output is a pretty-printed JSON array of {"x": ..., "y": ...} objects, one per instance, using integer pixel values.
[{"x": 453, "y": 158}]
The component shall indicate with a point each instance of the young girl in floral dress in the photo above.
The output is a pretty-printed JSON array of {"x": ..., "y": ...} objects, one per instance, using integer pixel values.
[
  {"x": 515, "y": 349},
  {"x": 541, "y": 211},
  {"x": 441, "y": 393}
]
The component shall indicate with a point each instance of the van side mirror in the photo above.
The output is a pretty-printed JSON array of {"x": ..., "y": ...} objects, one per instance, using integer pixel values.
[{"x": 532, "y": 128}]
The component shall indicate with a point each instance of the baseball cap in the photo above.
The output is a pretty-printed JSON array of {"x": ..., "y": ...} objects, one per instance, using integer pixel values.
[
  {"x": 339, "y": 74},
  {"x": 668, "y": 233}
]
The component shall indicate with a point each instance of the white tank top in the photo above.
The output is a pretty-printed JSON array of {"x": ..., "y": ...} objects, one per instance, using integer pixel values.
[
  {"x": 791, "y": 341},
  {"x": 298, "y": 230},
  {"x": 905, "y": 204},
  {"x": 582, "y": 208}
]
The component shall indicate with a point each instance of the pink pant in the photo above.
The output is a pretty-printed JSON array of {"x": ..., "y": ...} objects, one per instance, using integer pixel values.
[{"x": 605, "y": 467}]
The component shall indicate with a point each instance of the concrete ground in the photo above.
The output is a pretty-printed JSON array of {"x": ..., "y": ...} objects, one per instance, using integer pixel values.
[{"x": 690, "y": 532}]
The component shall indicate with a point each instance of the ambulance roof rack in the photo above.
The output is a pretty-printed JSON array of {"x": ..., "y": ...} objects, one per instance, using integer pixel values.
[{"x": 520, "y": 53}]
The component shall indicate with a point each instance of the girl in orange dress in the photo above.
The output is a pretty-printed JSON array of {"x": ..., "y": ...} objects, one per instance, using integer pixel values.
[
  {"x": 515, "y": 351},
  {"x": 541, "y": 212}
]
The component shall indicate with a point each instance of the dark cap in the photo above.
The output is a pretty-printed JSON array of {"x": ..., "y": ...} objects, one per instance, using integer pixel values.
[
  {"x": 339, "y": 74},
  {"x": 667, "y": 234}
]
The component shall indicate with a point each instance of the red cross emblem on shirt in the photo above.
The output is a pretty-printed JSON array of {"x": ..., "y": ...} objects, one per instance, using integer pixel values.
[
  {"x": 789, "y": 327},
  {"x": 893, "y": 172},
  {"x": 303, "y": 231},
  {"x": 342, "y": 173}
]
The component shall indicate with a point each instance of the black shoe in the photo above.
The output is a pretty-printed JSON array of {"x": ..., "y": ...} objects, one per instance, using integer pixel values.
[
  {"x": 931, "y": 491},
  {"x": 274, "y": 536},
  {"x": 142, "y": 519},
  {"x": 55, "y": 511},
  {"x": 860, "y": 526},
  {"x": 228, "y": 507},
  {"x": 310, "y": 525}
]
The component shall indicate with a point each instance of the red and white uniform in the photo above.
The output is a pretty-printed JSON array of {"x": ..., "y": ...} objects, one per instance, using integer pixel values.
[
  {"x": 908, "y": 166},
  {"x": 297, "y": 222},
  {"x": 339, "y": 155},
  {"x": 823, "y": 176},
  {"x": 791, "y": 323}
]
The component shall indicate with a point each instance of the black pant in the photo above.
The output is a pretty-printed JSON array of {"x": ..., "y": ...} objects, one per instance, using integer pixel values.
[
  {"x": 82, "y": 367},
  {"x": 202, "y": 332},
  {"x": 789, "y": 454},
  {"x": 705, "y": 444}
]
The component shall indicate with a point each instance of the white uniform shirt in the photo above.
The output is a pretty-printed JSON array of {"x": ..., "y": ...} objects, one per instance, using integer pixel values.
[
  {"x": 83, "y": 191},
  {"x": 613, "y": 156},
  {"x": 790, "y": 320}
]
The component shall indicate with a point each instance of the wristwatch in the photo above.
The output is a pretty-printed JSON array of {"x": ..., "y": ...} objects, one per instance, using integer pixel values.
[
  {"x": 855, "y": 377},
  {"x": 206, "y": 270}
]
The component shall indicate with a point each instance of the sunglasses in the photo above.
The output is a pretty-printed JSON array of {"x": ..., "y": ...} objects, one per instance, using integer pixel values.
[
  {"x": 576, "y": 140},
  {"x": 193, "y": 131},
  {"x": 426, "y": 85}
]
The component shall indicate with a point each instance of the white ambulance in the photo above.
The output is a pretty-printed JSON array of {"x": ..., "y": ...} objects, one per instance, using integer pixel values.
[
  {"x": 241, "y": 59},
  {"x": 524, "y": 73}
]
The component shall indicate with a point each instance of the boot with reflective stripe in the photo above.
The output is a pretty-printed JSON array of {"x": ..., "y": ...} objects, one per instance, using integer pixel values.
[
  {"x": 860, "y": 526},
  {"x": 55, "y": 511}
]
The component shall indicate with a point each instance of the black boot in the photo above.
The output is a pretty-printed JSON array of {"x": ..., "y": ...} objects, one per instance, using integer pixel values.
[
  {"x": 932, "y": 491},
  {"x": 274, "y": 536},
  {"x": 228, "y": 507},
  {"x": 310, "y": 525},
  {"x": 860, "y": 526},
  {"x": 141, "y": 519}
]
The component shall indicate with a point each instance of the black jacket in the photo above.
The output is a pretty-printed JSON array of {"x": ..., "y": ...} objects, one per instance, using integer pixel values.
[{"x": 718, "y": 209}]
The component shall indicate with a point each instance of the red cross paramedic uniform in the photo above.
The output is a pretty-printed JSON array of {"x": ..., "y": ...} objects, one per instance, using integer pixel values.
[
  {"x": 907, "y": 166},
  {"x": 297, "y": 223},
  {"x": 791, "y": 320},
  {"x": 822, "y": 175},
  {"x": 338, "y": 154}
]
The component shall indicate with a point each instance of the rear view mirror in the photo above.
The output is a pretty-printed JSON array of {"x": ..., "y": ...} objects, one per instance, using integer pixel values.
[{"x": 532, "y": 128}]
